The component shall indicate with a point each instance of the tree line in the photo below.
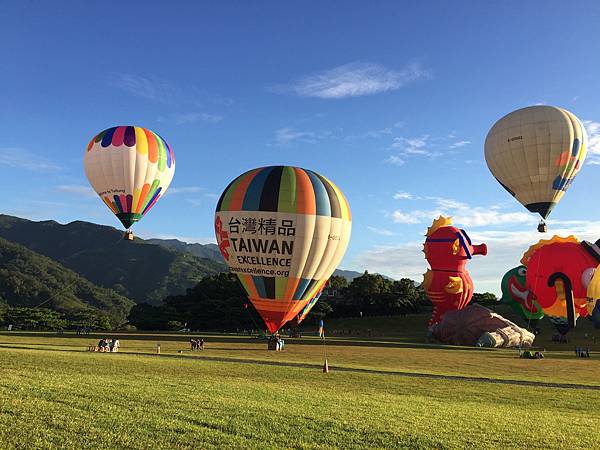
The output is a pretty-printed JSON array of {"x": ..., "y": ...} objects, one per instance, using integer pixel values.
[
  {"x": 218, "y": 303},
  {"x": 36, "y": 319}
]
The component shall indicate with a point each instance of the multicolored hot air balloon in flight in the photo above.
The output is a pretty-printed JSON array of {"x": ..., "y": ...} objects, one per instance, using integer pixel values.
[
  {"x": 130, "y": 168},
  {"x": 535, "y": 154},
  {"x": 448, "y": 284},
  {"x": 283, "y": 230}
]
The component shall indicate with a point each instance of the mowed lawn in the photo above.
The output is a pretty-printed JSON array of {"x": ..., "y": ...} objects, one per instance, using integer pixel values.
[{"x": 53, "y": 393}]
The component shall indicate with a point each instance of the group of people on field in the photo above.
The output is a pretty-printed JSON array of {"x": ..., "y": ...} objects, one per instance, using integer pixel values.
[
  {"x": 276, "y": 342},
  {"x": 582, "y": 352},
  {"x": 108, "y": 345},
  {"x": 197, "y": 344}
]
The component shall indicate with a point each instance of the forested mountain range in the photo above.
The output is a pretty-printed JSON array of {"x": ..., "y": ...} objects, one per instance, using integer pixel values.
[
  {"x": 32, "y": 280},
  {"x": 141, "y": 271}
]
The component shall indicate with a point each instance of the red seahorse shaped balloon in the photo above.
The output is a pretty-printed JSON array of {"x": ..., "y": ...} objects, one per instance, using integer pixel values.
[{"x": 447, "y": 250}]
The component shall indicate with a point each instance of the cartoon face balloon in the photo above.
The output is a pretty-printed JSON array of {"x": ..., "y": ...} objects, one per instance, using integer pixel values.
[
  {"x": 566, "y": 256},
  {"x": 535, "y": 154},
  {"x": 515, "y": 294},
  {"x": 130, "y": 168},
  {"x": 283, "y": 230}
]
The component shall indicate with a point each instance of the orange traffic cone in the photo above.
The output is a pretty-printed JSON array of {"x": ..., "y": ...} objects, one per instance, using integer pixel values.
[{"x": 325, "y": 367}]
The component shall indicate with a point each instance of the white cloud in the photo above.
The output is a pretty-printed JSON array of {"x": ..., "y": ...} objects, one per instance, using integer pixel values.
[
  {"x": 148, "y": 88},
  {"x": 23, "y": 159},
  {"x": 424, "y": 146},
  {"x": 381, "y": 231},
  {"x": 463, "y": 214},
  {"x": 195, "y": 202},
  {"x": 353, "y": 80},
  {"x": 593, "y": 132},
  {"x": 164, "y": 91},
  {"x": 460, "y": 144},
  {"x": 77, "y": 189},
  {"x": 377, "y": 134},
  {"x": 288, "y": 135},
  {"x": 193, "y": 117},
  {"x": 398, "y": 261},
  {"x": 395, "y": 160},
  {"x": 505, "y": 249},
  {"x": 401, "y": 217},
  {"x": 400, "y": 195},
  {"x": 416, "y": 146}
]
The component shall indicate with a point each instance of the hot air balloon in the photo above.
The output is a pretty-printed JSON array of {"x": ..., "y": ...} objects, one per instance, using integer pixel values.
[
  {"x": 283, "y": 230},
  {"x": 448, "y": 284},
  {"x": 535, "y": 154},
  {"x": 130, "y": 168},
  {"x": 515, "y": 294},
  {"x": 563, "y": 278}
]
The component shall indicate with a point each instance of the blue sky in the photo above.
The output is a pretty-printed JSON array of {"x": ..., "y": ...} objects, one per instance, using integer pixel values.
[{"x": 390, "y": 100}]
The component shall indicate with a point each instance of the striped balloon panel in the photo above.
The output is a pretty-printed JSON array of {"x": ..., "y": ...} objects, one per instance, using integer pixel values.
[
  {"x": 535, "y": 154},
  {"x": 309, "y": 306},
  {"x": 283, "y": 231},
  {"x": 130, "y": 168},
  {"x": 284, "y": 189}
]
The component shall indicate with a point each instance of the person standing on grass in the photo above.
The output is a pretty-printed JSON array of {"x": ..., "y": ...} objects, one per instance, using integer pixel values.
[{"x": 201, "y": 344}]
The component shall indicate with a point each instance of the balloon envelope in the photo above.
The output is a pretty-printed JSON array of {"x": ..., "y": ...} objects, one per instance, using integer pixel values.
[
  {"x": 535, "y": 153},
  {"x": 515, "y": 294},
  {"x": 130, "y": 168},
  {"x": 283, "y": 230},
  {"x": 559, "y": 255}
]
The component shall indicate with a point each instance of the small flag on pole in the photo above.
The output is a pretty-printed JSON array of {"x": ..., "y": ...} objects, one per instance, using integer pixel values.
[{"x": 321, "y": 329}]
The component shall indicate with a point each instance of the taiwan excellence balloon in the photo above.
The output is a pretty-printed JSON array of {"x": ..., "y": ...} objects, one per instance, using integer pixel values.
[
  {"x": 283, "y": 230},
  {"x": 535, "y": 154},
  {"x": 309, "y": 306},
  {"x": 130, "y": 168}
]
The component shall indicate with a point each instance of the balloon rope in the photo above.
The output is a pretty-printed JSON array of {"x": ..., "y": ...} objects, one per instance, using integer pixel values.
[
  {"x": 66, "y": 287},
  {"x": 253, "y": 321},
  {"x": 56, "y": 293}
]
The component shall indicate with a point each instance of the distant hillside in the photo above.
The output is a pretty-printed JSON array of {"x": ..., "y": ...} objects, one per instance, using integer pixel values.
[
  {"x": 141, "y": 271},
  {"x": 352, "y": 274},
  {"x": 210, "y": 251},
  {"x": 30, "y": 279},
  {"x": 347, "y": 274}
]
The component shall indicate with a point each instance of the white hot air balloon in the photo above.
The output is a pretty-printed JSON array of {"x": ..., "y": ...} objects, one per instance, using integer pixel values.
[
  {"x": 130, "y": 168},
  {"x": 535, "y": 154}
]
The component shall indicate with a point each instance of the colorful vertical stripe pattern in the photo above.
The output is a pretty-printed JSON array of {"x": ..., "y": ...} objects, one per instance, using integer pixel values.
[
  {"x": 291, "y": 192},
  {"x": 284, "y": 189},
  {"x": 130, "y": 168},
  {"x": 145, "y": 141}
]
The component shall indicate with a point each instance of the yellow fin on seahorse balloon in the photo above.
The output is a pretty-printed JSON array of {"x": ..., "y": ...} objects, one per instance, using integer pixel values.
[{"x": 455, "y": 285}]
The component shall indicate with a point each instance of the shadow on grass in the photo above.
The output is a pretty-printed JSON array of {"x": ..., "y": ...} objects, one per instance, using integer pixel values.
[
  {"x": 462, "y": 378},
  {"x": 244, "y": 339}
]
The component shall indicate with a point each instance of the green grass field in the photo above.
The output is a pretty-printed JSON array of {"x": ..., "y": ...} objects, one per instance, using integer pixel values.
[{"x": 381, "y": 393}]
